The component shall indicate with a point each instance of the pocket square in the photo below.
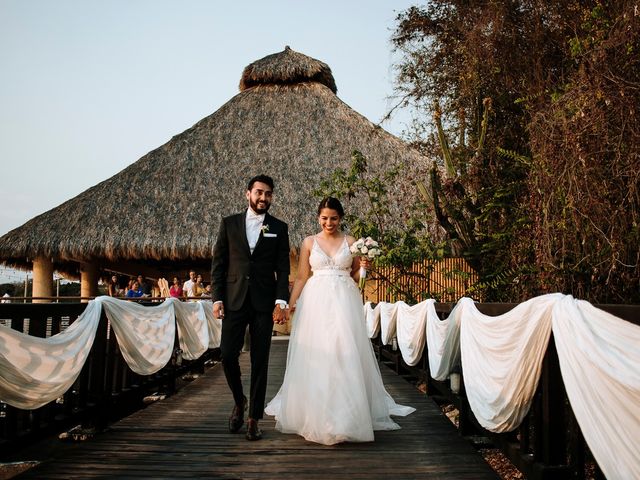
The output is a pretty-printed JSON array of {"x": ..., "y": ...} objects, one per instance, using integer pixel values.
[{"x": 269, "y": 235}]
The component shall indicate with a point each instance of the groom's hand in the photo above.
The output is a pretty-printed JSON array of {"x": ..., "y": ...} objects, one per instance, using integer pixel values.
[
  {"x": 218, "y": 310},
  {"x": 279, "y": 315}
]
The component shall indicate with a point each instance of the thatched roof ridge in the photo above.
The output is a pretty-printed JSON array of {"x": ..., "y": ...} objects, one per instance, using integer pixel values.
[
  {"x": 286, "y": 68},
  {"x": 166, "y": 207}
]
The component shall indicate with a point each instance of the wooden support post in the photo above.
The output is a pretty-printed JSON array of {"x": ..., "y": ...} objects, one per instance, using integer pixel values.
[
  {"x": 42, "y": 278},
  {"x": 554, "y": 421},
  {"x": 466, "y": 425},
  {"x": 88, "y": 280}
]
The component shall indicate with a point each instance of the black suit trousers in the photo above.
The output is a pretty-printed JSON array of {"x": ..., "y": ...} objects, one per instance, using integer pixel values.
[{"x": 234, "y": 326}]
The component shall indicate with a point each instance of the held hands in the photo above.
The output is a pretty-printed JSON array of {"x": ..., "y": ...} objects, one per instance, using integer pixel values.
[
  {"x": 218, "y": 310},
  {"x": 280, "y": 315},
  {"x": 283, "y": 315}
]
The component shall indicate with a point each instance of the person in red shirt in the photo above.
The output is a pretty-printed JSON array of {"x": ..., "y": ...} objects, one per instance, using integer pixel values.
[{"x": 176, "y": 290}]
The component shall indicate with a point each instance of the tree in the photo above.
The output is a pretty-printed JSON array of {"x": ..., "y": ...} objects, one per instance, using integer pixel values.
[
  {"x": 543, "y": 65},
  {"x": 457, "y": 59},
  {"x": 462, "y": 206},
  {"x": 585, "y": 186}
]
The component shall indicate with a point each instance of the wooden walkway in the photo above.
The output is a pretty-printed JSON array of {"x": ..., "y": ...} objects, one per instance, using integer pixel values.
[{"x": 185, "y": 436}]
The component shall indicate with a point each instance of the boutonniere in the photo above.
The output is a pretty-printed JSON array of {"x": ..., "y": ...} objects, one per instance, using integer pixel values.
[{"x": 264, "y": 229}]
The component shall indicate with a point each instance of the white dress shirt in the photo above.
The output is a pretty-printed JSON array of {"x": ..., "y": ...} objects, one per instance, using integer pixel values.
[
  {"x": 253, "y": 226},
  {"x": 188, "y": 288}
]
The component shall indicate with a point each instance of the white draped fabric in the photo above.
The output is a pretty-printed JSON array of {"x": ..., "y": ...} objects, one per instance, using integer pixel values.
[
  {"x": 193, "y": 328},
  {"x": 501, "y": 358},
  {"x": 35, "y": 371},
  {"x": 600, "y": 364},
  {"x": 372, "y": 319},
  {"x": 388, "y": 317},
  {"x": 145, "y": 334},
  {"x": 411, "y": 330},
  {"x": 443, "y": 342}
]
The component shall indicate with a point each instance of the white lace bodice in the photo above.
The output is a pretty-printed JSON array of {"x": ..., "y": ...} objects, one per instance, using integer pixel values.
[{"x": 341, "y": 261}]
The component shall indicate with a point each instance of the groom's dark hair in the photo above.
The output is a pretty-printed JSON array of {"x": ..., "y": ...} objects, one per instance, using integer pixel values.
[{"x": 262, "y": 179}]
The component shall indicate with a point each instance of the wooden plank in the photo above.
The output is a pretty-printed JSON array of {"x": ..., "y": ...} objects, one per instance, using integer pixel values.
[{"x": 186, "y": 436}]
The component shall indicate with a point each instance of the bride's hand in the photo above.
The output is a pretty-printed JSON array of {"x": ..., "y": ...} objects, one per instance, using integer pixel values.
[
  {"x": 365, "y": 263},
  {"x": 289, "y": 312}
]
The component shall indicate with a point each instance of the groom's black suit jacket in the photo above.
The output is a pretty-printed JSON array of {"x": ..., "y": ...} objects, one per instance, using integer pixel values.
[{"x": 264, "y": 275}]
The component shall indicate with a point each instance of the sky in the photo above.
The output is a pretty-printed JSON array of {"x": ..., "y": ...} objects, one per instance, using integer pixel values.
[{"x": 87, "y": 87}]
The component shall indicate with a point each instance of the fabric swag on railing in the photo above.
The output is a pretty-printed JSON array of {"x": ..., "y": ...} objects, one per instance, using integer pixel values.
[
  {"x": 35, "y": 371},
  {"x": 501, "y": 358}
]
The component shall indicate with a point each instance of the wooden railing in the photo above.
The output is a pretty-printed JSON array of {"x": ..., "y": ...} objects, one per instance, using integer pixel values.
[
  {"x": 548, "y": 444},
  {"x": 106, "y": 389}
]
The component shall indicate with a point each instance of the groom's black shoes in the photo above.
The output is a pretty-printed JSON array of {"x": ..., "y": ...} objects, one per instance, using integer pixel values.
[
  {"x": 236, "y": 420},
  {"x": 253, "y": 431}
]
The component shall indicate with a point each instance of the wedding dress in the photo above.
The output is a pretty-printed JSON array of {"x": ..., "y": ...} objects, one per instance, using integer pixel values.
[{"x": 332, "y": 390}]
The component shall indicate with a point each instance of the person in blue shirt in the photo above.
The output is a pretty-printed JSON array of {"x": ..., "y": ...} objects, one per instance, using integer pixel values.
[{"x": 135, "y": 290}]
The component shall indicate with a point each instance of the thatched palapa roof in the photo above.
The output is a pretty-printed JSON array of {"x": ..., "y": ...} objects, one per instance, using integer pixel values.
[
  {"x": 163, "y": 211},
  {"x": 287, "y": 68}
]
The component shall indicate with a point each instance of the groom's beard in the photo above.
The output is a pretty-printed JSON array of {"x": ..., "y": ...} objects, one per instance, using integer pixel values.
[{"x": 263, "y": 208}]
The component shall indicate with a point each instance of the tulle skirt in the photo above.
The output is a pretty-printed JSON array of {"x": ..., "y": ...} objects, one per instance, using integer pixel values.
[{"x": 332, "y": 390}]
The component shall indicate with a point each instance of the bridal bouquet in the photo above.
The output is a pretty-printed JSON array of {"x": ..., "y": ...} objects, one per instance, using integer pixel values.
[{"x": 365, "y": 247}]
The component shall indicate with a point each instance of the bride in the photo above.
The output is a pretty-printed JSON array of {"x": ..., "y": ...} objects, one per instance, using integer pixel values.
[{"x": 332, "y": 390}]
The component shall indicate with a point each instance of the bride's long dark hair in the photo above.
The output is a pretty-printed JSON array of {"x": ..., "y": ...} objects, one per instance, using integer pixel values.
[{"x": 333, "y": 204}]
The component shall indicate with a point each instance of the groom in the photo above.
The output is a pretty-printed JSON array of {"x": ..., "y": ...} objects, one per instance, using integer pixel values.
[{"x": 250, "y": 276}]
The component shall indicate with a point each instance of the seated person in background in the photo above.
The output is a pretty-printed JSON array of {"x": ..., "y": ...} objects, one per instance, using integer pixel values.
[
  {"x": 207, "y": 291},
  {"x": 198, "y": 288},
  {"x": 135, "y": 290},
  {"x": 176, "y": 290},
  {"x": 144, "y": 285},
  {"x": 113, "y": 289},
  {"x": 129, "y": 286}
]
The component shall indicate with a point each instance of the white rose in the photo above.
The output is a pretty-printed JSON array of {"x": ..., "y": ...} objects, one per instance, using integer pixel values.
[{"x": 364, "y": 250}]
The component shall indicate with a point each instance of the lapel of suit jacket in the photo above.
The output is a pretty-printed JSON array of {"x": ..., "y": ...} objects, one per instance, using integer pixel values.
[
  {"x": 267, "y": 217},
  {"x": 242, "y": 226}
]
